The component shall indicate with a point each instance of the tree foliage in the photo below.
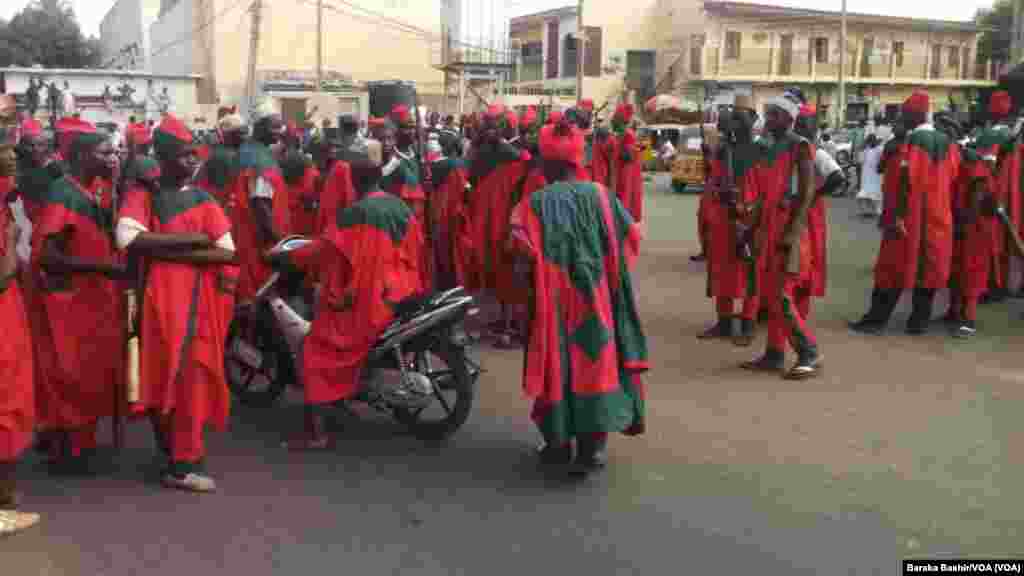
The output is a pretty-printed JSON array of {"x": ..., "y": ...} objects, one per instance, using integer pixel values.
[
  {"x": 46, "y": 33},
  {"x": 995, "y": 43}
]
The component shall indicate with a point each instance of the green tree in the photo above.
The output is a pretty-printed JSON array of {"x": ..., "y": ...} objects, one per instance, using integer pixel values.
[
  {"x": 46, "y": 33},
  {"x": 995, "y": 43}
]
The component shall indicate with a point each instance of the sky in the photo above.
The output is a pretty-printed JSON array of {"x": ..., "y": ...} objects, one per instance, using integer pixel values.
[{"x": 91, "y": 12}]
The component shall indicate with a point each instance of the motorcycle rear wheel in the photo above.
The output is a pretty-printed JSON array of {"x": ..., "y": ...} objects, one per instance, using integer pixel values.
[
  {"x": 278, "y": 368},
  {"x": 456, "y": 380}
]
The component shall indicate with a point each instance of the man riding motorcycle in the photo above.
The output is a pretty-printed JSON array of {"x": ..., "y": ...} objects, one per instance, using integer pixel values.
[{"x": 367, "y": 263}]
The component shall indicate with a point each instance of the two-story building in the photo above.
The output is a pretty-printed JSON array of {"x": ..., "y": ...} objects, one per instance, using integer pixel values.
[{"x": 702, "y": 48}]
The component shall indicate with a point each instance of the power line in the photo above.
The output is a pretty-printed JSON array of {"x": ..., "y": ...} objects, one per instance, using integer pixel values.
[{"x": 195, "y": 31}]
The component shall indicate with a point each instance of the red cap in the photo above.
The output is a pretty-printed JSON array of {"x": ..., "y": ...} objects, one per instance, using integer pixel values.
[
  {"x": 31, "y": 128},
  {"x": 808, "y": 110},
  {"x": 139, "y": 134},
  {"x": 587, "y": 104},
  {"x": 494, "y": 111},
  {"x": 1000, "y": 104},
  {"x": 557, "y": 143},
  {"x": 68, "y": 128},
  {"x": 554, "y": 117},
  {"x": 917, "y": 102},
  {"x": 402, "y": 116},
  {"x": 511, "y": 120}
]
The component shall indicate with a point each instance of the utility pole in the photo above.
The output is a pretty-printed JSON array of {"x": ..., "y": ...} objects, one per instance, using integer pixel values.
[
  {"x": 581, "y": 41},
  {"x": 319, "y": 45},
  {"x": 842, "y": 71},
  {"x": 254, "y": 47}
]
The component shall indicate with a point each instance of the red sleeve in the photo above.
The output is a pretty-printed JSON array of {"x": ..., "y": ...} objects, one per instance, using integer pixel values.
[
  {"x": 54, "y": 218},
  {"x": 135, "y": 205},
  {"x": 215, "y": 221}
]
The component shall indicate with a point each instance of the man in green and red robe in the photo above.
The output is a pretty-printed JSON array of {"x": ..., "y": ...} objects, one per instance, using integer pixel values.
[
  {"x": 627, "y": 167},
  {"x": 586, "y": 348},
  {"x": 785, "y": 179},
  {"x": 402, "y": 168},
  {"x": 450, "y": 216},
  {"x": 184, "y": 236},
  {"x": 497, "y": 171},
  {"x": 367, "y": 263},
  {"x": 72, "y": 246},
  {"x": 917, "y": 244},
  {"x": 17, "y": 401},
  {"x": 260, "y": 217},
  {"x": 730, "y": 276},
  {"x": 972, "y": 246},
  {"x": 991, "y": 145},
  {"x": 219, "y": 173}
]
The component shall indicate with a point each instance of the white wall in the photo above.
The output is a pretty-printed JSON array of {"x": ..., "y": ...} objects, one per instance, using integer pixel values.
[
  {"x": 182, "y": 91},
  {"x": 127, "y": 23},
  {"x": 170, "y": 53}
]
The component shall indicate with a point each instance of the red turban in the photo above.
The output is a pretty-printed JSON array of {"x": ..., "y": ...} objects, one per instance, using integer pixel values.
[
  {"x": 562, "y": 143},
  {"x": 1000, "y": 103},
  {"x": 624, "y": 112},
  {"x": 139, "y": 134},
  {"x": 554, "y": 117},
  {"x": 171, "y": 137},
  {"x": 511, "y": 120},
  {"x": 918, "y": 102},
  {"x": 68, "y": 129},
  {"x": 31, "y": 128},
  {"x": 587, "y": 104},
  {"x": 402, "y": 116},
  {"x": 529, "y": 117}
]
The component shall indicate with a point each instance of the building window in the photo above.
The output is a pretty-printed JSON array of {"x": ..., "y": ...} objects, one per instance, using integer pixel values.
[
  {"x": 897, "y": 53},
  {"x": 954, "y": 57},
  {"x": 534, "y": 51},
  {"x": 785, "y": 54},
  {"x": 592, "y": 53},
  {"x": 569, "y": 55},
  {"x": 866, "y": 54},
  {"x": 936, "y": 63},
  {"x": 732, "y": 45},
  {"x": 821, "y": 50},
  {"x": 696, "y": 54}
]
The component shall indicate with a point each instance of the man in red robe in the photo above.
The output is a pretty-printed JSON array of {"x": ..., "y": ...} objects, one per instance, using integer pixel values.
[
  {"x": 626, "y": 165},
  {"x": 586, "y": 347},
  {"x": 185, "y": 237},
  {"x": 497, "y": 171},
  {"x": 17, "y": 402},
  {"x": 730, "y": 275},
  {"x": 917, "y": 244},
  {"x": 367, "y": 262},
  {"x": 450, "y": 216},
  {"x": 72, "y": 246},
  {"x": 260, "y": 216},
  {"x": 219, "y": 173},
  {"x": 991, "y": 145},
  {"x": 402, "y": 169},
  {"x": 301, "y": 180},
  {"x": 785, "y": 178}
]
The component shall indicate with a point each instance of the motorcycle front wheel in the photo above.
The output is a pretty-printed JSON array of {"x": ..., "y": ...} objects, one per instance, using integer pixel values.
[
  {"x": 454, "y": 386},
  {"x": 256, "y": 386}
]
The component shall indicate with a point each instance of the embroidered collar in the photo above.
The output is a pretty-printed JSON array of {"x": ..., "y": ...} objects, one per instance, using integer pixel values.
[{"x": 926, "y": 127}]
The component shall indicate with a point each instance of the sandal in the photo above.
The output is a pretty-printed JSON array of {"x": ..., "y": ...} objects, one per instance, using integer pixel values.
[
  {"x": 12, "y": 522},
  {"x": 191, "y": 482}
]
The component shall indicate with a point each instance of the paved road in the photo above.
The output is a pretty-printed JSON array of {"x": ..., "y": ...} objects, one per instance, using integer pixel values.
[{"x": 906, "y": 447}]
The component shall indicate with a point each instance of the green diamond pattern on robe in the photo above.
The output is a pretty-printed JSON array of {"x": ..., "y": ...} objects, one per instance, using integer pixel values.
[{"x": 592, "y": 336}]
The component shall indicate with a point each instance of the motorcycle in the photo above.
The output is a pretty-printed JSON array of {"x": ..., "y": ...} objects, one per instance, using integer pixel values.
[{"x": 400, "y": 378}]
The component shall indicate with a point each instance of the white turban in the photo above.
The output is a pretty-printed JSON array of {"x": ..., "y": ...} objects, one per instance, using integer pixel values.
[{"x": 791, "y": 108}]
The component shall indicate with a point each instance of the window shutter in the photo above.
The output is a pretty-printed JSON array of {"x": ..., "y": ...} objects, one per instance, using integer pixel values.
[{"x": 592, "y": 57}]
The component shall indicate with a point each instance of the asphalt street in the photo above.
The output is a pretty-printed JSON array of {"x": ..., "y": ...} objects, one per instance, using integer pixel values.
[{"x": 906, "y": 447}]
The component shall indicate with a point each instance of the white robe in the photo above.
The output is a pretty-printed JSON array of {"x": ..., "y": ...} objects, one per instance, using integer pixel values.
[{"x": 870, "y": 179}]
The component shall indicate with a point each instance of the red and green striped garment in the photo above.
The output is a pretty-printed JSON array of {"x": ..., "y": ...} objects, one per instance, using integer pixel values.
[
  {"x": 186, "y": 309},
  {"x": 586, "y": 347}
]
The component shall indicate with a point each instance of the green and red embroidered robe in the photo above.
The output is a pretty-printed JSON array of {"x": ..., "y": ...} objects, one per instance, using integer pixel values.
[
  {"x": 496, "y": 173},
  {"x": 255, "y": 162},
  {"x": 729, "y": 276},
  {"x": 451, "y": 222},
  {"x": 83, "y": 311},
  {"x": 922, "y": 258},
  {"x": 990, "y": 145},
  {"x": 218, "y": 174},
  {"x": 629, "y": 178},
  {"x": 338, "y": 193},
  {"x": 972, "y": 246},
  {"x": 300, "y": 180},
  {"x": 406, "y": 182},
  {"x": 367, "y": 264},
  {"x": 185, "y": 312},
  {"x": 586, "y": 347}
]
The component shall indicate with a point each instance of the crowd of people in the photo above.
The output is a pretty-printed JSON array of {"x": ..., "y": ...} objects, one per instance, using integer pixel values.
[
  {"x": 157, "y": 245},
  {"x": 948, "y": 204}
]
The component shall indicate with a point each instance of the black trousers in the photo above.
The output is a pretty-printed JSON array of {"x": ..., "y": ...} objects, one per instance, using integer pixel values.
[{"x": 883, "y": 302}]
